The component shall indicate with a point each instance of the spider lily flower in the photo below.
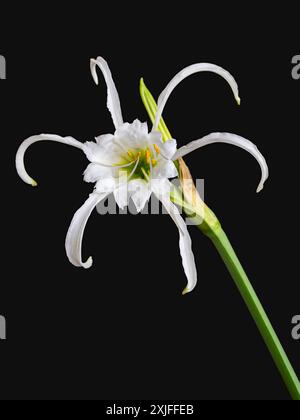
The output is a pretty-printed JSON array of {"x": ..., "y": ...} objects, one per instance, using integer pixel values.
[{"x": 134, "y": 163}]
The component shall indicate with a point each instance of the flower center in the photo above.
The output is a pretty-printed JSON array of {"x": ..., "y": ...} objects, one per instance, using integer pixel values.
[{"x": 143, "y": 161}]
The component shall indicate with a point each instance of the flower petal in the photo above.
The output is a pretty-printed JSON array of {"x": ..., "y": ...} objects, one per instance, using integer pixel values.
[
  {"x": 230, "y": 139},
  {"x": 104, "y": 139},
  {"x": 168, "y": 149},
  {"x": 165, "y": 169},
  {"x": 76, "y": 230},
  {"x": 188, "y": 71},
  {"x": 102, "y": 154},
  {"x": 106, "y": 185},
  {"x": 162, "y": 192},
  {"x": 113, "y": 100},
  {"x": 121, "y": 195},
  {"x": 95, "y": 172},
  {"x": 140, "y": 193},
  {"x": 132, "y": 135},
  {"x": 121, "y": 190},
  {"x": 156, "y": 137},
  {"x": 106, "y": 157},
  {"x": 70, "y": 141},
  {"x": 138, "y": 129}
]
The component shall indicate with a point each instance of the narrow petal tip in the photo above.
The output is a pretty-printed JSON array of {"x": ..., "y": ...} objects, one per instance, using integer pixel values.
[
  {"x": 34, "y": 183},
  {"x": 113, "y": 100},
  {"x": 93, "y": 63},
  {"x": 238, "y": 100},
  {"x": 260, "y": 188},
  {"x": 186, "y": 291},
  {"x": 88, "y": 264}
]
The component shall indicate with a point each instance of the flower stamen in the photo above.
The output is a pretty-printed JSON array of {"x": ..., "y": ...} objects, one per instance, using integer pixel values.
[
  {"x": 148, "y": 156},
  {"x": 157, "y": 149}
]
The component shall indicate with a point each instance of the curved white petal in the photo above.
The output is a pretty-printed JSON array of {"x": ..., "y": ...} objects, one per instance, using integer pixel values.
[
  {"x": 70, "y": 141},
  {"x": 113, "y": 100},
  {"x": 188, "y": 71},
  {"x": 76, "y": 230},
  {"x": 162, "y": 192},
  {"x": 233, "y": 139}
]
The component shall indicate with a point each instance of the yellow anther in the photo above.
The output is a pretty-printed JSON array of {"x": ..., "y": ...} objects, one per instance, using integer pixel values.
[
  {"x": 157, "y": 149},
  {"x": 154, "y": 162},
  {"x": 130, "y": 154},
  {"x": 148, "y": 155}
]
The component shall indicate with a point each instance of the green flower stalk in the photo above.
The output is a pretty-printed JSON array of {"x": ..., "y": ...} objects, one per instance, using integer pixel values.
[{"x": 189, "y": 200}]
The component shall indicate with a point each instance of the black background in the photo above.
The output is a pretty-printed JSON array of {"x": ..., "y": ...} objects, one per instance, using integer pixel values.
[{"x": 122, "y": 330}]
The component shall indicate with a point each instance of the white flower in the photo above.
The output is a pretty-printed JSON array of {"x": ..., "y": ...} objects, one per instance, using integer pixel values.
[{"x": 133, "y": 163}]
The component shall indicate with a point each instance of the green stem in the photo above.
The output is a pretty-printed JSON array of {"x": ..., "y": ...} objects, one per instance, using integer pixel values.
[
  {"x": 257, "y": 311},
  {"x": 211, "y": 227}
]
